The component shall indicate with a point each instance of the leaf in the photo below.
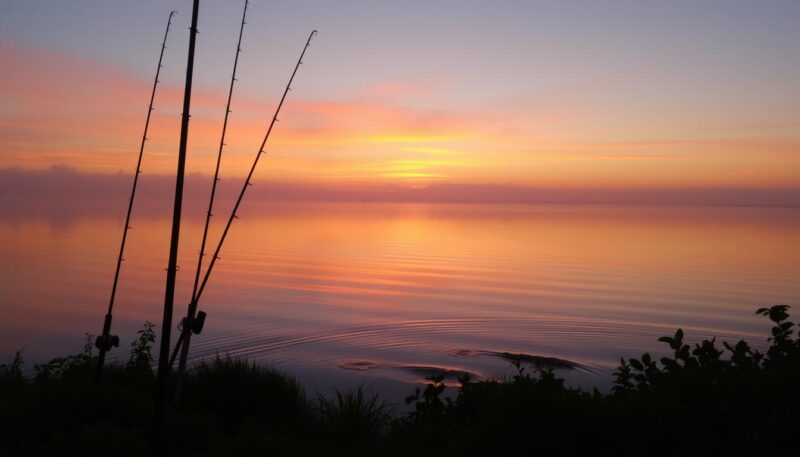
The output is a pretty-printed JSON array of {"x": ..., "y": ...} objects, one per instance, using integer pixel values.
[
  {"x": 637, "y": 364},
  {"x": 778, "y": 313},
  {"x": 669, "y": 363}
]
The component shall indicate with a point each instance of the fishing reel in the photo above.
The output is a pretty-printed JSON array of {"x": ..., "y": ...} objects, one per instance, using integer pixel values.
[
  {"x": 106, "y": 342},
  {"x": 195, "y": 324}
]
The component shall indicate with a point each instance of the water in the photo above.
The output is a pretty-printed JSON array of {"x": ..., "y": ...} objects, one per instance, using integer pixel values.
[{"x": 383, "y": 294}]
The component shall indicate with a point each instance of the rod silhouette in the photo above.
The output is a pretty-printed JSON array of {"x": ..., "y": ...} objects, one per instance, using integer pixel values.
[
  {"x": 191, "y": 314},
  {"x": 106, "y": 341},
  {"x": 172, "y": 266},
  {"x": 189, "y": 326}
]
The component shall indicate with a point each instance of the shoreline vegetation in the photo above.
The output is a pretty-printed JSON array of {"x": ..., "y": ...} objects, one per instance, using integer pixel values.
[{"x": 702, "y": 399}]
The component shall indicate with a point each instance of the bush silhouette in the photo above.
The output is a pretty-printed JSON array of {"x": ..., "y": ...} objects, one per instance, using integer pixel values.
[{"x": 698, "y": 399}]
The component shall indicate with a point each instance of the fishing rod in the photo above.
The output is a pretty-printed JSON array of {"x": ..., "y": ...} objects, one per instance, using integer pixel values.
[
  {"x": 106, "y": 341},
  {"x": 192, "y": 324},
  {"x": 172, "y": 265},
  {"x": 184, "y": 352}
]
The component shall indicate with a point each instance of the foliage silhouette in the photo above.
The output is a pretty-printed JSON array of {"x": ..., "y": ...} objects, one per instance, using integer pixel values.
[
  {"x": 141, "y": 348},
  {"x": 701, "y": 398},
  {"x": 352, "y": 419}
]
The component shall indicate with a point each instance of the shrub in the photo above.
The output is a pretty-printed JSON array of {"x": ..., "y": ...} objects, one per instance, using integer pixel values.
[{"x": 353, "y": 417}]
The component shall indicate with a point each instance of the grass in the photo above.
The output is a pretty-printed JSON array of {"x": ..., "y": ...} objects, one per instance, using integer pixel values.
[
  {"x": 236, "y": 390},
  {"x": 353, "y": 419},
  {"x": 702, "y": 399}
]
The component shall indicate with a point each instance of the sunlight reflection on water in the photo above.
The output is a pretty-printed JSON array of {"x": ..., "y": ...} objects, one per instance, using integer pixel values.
[{"x": 315, "y": 288}]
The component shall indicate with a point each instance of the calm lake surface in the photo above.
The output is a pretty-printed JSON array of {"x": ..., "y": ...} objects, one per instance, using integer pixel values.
[{"x": 382, "y": 294}]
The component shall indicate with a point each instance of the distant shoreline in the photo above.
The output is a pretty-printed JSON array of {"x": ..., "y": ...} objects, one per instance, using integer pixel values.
[{"x": 63, "y": 182}]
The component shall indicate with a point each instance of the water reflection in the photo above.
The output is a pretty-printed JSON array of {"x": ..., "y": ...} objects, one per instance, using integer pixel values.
[{"x": 314, "y": 287}]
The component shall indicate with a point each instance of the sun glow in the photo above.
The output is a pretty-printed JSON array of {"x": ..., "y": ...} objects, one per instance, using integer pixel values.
[{"x": 368, "y": 136}]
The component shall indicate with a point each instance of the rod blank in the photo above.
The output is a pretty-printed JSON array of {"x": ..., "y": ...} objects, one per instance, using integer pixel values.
[
  {"x": 106, "y": 341},
  {"x": 183, "y": 339},
  {"x": 190, "y": 315}
]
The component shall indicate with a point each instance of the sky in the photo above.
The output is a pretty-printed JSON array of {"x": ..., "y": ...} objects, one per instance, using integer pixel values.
[{"x": 540, "y": 94}]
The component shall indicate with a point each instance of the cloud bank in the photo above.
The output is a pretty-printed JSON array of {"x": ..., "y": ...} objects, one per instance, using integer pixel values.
[{"x": 60, "y": 183}]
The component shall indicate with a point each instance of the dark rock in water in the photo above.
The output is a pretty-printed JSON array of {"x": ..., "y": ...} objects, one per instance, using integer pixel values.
[
  {"x": 423, "y": 370},
  {"x": 530, "y": 359},
  {"x": 537, "y": 360}
]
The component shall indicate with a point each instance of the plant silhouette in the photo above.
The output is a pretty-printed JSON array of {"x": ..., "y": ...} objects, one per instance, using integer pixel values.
[{"x": 699, "y": 398}]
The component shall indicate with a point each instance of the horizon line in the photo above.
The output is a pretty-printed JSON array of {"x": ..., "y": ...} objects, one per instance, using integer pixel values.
[{"x": 60, "y": 181}]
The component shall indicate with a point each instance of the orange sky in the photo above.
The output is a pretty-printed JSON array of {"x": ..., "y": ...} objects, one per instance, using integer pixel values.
[{"x": 59, "y": 108}]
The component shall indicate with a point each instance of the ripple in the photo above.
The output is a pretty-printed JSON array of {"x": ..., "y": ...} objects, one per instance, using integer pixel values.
[
  {"x": 577, "y": 345},
  {"x": 385, "y": 334},
  {"x": 524, "y": 338}
]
